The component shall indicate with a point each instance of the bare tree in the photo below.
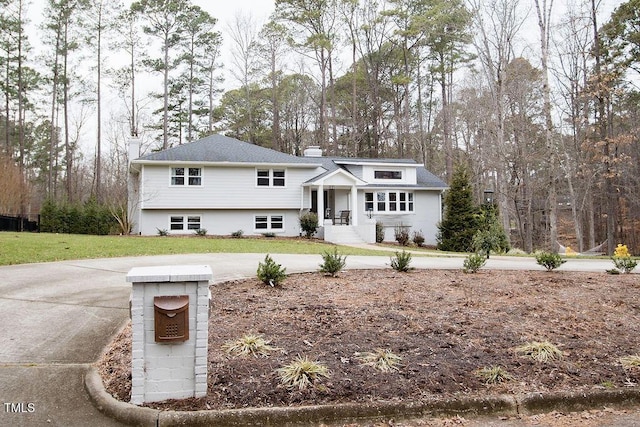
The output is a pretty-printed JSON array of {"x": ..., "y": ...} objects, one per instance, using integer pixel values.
[{"x": 544, "y": 25}]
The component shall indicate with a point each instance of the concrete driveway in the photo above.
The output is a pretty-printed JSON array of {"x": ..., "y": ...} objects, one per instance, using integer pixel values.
[{"x": 57, "y": 317}]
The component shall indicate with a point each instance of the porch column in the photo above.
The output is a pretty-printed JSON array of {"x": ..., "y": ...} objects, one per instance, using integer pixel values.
[
  {"x": 354, "y": 205},
  {"x": 321, "y": 205}
]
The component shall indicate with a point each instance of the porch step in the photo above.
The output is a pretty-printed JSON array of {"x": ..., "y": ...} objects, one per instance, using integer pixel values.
[{"x": 345, "y": 235}]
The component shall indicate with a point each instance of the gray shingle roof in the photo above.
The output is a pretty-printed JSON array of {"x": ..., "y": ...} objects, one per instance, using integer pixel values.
[{"x": 220, "y": 148}]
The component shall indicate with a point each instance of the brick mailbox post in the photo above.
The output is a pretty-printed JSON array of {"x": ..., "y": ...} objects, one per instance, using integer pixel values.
[{"x": 170, "y": 326}]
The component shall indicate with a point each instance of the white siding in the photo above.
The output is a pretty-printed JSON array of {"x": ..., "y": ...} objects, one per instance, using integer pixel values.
[
  {"x": 219, "y": 222},
  {"x": 424, "y": 218},
  {"x": 222, "y": 188}
]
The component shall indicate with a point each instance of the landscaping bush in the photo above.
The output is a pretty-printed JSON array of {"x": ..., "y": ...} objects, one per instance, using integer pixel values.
[
  {"x": 418, "y": 238},
  {"x": 85, "y": 218},
  {"x": 622, "y": 259},
  {"x": 401, "y": 262},
  {"x": 402, "y": 235},
  {"x": 309, "y": 224},
  {"x": 271, "y": 273},
  {"x": 237, "y": 234},
  {"x": 162, "y": 232},
  {"x": 333, "y": 262},
  {"x": 379, "y": 232},
  {"x": 473, "y": 263},
  {"x": 549, "y": 260},
  {"x": 201, "y": 232}
]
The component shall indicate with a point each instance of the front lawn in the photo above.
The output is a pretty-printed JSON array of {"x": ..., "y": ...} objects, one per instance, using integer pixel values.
[{"x": 21, "y": 248}]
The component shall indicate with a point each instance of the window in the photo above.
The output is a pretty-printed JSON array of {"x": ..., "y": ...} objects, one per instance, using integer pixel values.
[
  {"x": 382, "y": 201},
  {"x": 278, "y": 178},
  {"x": 263, "y": 178},
  {"x": 389, "y": 201},
  {"x": 194, "y": 176},
  {"x": 177, "y": 222},
  {"x": 269, "y": 222},
  {"x": 270, "y": 177},
  {"x": 368, "y": 202},
  {"x": 193, "y": 223},
  {"x": 387, "y": 174},
  {"x": 177, "y": 176}
]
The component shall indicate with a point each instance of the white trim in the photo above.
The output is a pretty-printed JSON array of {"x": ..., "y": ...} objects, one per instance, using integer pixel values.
[{"x": 318, "y": 181}]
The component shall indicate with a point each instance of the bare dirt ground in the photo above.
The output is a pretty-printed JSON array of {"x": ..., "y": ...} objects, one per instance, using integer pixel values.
[{"x": 445, "y": 325}]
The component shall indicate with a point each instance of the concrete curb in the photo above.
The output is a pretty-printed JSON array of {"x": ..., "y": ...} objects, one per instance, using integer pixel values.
[{"x": 503, "y": 405}]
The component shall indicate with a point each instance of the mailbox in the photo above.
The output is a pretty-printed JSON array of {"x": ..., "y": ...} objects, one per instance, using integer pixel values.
[{"x": 171, "y": 318}]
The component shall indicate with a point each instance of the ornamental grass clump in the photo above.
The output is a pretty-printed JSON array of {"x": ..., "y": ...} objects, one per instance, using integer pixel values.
[
  {"x": 249, "y": 345},
  {"x": 333, "y": 263},
  {"x": 630, "y": 362},
  {"x": 622, "y": 259},
  {"x": 271, "y": 273},
  {"x": 302, "y": 373},
  {"x": 549, "y": 260},
  {"x": 493, "y": 375},
  {"x": 380, "y": 359},
  {"x": 540, "y": 351}
]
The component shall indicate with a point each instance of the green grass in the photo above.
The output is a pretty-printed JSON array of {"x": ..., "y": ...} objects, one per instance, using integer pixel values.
[{"x": 22, "y": 248}]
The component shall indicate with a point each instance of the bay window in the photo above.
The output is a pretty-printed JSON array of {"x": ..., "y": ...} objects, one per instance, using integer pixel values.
[{"x": 389, "y": 201}]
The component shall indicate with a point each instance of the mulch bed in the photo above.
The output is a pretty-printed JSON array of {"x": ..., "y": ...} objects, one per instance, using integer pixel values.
[{"x": 444, "y": 324}]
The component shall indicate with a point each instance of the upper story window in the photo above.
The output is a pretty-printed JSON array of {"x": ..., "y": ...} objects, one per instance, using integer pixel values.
[
  {"x": 186, "y": 176},
  {"x": 381, "y": 174},
  {"x": 270, "y": 177}
]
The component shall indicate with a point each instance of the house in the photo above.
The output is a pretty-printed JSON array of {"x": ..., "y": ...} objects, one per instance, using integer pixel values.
[{"x": 224, "y": 185}]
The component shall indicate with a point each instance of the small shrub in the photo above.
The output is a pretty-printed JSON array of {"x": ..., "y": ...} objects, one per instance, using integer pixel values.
[
  {"x": 302, "y": 373},
  {"x": 162, "y": 232},
  {"x": 540, "y": 351},
  {"x": 379, "y": 232},
  {"x": 271, "y": 273},
  {"x": 201, "y": 232},
  {"x": 418, "y": 238},
  {"x": 402, "y": 261},
  {"x": 380, "y": 359},
  {"x": 249, "y": 345},
  {"x": 622, "y": 260},
  {"x": 473, "y": 263},
  {"x": 402, "y": 235},
  {"x": 549, "y": 260},
  {"x": 493, "y": 375},
  {"x": 269, "y": 235},
  {"x": 333, "y": 262},
  {"x": 237, "y": 234},
  {"x": 309, "y": 224}
]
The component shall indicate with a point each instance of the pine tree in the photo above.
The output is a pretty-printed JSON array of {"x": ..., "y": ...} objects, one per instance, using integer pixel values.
[{"x": 460, "y": 221}]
